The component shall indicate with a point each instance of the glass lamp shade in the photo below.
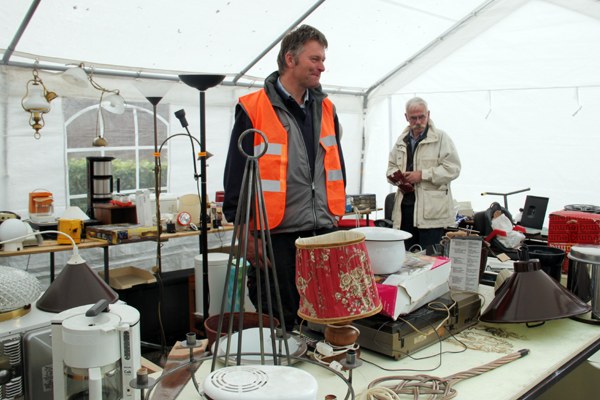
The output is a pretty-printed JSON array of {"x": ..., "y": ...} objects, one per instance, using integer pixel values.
[
  {"x": 17, "y": 288},
  {"x": 334, "y": 278},
  {"x": 153, "y": 91},
  {"x": 76, "y": 76},
  {"x": 35, "y": 100},
  {"x": 113, "y": 103},
  {"x": 531, "y": 295}
]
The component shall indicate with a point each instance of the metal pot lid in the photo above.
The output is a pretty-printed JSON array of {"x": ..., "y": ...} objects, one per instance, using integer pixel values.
[{"x": 588, "y": 254}]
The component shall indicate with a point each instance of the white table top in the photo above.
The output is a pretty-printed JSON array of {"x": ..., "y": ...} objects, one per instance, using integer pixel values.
[{"x": 552, "y": 346}]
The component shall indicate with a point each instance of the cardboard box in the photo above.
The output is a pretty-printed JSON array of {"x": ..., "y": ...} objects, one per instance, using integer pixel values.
[
  {"x": 121, "y": 233},
  {"x": 568, "y": 228},
  {"x": 127, "y": 277},
  {"x": 412, "y": 288}
]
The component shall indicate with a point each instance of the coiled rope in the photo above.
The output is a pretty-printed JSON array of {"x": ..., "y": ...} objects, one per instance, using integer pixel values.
[{"x": 426, "y": 385}]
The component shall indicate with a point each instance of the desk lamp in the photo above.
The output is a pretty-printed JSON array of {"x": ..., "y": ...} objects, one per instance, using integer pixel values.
[
  {"x": 202, "y": 82},
  {"x": 336, "y": 284},
  {"x": 75, "y": 286}
]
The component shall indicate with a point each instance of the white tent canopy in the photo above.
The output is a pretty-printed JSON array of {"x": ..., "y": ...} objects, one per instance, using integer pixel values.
[{"x": 514, "y": 82}]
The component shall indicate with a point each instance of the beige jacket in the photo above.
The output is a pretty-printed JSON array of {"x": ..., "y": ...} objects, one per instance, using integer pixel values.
[{"x": 436, "y": 157}]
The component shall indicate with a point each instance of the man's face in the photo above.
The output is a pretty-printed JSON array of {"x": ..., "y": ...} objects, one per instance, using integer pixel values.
[
  {"x": 417, "y": 117},
  {"x": 307, "y": 67}
]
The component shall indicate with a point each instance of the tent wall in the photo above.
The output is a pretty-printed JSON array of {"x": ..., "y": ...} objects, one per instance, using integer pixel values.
[
  {"x": 520, "y": 100},
  {"x": 530, "y": 139},
  {"x": 29, "y": 164}
]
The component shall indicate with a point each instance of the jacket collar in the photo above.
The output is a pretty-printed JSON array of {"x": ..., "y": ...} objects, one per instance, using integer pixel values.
[
  {"x": 431, "y": 134},
  {"x": 271, "y": 90}
]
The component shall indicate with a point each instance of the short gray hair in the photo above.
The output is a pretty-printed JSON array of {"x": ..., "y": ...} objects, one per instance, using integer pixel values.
[
  {"x": 294, "y": 42},
  {"x": 416, "y": 101}
]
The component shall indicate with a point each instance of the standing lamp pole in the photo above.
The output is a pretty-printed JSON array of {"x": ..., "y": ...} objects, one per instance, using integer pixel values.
[
  {"x": 203, "y": 82},
  {"x": 157, "y": 183},
  {"x": 154, "y": 92}
]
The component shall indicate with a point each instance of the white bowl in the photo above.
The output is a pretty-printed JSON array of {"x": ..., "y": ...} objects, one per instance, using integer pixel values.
[{"x": 386, "y": 248}]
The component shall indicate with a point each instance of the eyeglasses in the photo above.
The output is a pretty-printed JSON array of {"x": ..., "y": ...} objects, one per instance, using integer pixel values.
[{"x": 417, "y": 117}]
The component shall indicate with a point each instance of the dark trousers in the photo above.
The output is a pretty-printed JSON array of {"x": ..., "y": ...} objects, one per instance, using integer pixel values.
[
  {"x": 423, "y": 237},
  {"x": 284, "y": 251}
]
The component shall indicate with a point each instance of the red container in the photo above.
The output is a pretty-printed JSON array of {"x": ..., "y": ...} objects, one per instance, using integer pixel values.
[{"x": 568, "y": 228}]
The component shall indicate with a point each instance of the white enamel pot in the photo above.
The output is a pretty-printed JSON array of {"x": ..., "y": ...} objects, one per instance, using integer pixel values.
[{"x": 386, "y": 248}]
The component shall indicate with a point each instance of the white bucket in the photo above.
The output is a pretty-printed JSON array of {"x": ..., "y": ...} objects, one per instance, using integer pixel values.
[{"x": 217, "y": 270}]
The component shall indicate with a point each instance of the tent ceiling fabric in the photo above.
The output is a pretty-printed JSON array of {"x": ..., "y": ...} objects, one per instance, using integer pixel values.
[{"x": 368, "y": 39}]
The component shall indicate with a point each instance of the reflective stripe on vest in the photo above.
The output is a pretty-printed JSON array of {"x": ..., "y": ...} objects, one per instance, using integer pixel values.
[
  {"x": 336, "y": 193},
  {"x": 273, "y": 165}
]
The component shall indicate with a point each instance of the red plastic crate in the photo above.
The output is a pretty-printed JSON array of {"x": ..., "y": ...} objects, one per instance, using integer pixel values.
[
  {"x": 569, "y": 228},
  {"x": 576, "y": 227}
]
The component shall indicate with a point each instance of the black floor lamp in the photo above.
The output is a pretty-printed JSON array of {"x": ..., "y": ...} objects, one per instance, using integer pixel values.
[{"x": 203, "y": 82}]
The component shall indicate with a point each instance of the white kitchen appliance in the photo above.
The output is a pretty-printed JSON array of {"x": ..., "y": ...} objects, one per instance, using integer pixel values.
[{"x": 96, "y": 352}]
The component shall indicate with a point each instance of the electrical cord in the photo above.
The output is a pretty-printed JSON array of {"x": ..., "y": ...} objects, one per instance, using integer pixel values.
[
  {"x": 158, "y": 178},
  {"x": 436, "y": 306},
  {"x": 325, "y": 350}
]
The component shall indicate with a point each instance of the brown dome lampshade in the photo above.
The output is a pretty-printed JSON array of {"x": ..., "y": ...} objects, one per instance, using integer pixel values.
[
  {"x": 76, "y": 285},
  {"x": 530, "y": 295}
]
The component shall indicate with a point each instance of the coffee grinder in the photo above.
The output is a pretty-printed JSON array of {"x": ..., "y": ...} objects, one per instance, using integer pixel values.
[
  {"x": 99, "y": 182},
  {"x": 96, "y": 352}
]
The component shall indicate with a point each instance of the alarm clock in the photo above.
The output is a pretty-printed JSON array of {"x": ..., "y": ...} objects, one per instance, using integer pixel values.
[{"x": 184, "y": 219}]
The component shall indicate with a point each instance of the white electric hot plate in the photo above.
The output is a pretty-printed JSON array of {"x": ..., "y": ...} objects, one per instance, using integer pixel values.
[{"x": 251, "y": 345}]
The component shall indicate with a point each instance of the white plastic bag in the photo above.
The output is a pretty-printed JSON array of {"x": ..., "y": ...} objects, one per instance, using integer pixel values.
[{"x": 513, "y": 238}]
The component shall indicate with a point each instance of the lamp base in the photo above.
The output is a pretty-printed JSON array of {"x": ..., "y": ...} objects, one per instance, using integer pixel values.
[
  {"x": 340, "y": 339},
  {"x": 341, "y": 335}
]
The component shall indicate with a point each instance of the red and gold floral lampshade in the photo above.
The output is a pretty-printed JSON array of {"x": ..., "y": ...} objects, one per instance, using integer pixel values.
[{"x": 335, "y": 279}]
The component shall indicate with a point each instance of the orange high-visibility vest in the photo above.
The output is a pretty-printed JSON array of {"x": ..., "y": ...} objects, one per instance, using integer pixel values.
[{"x": 273, "y": 164}]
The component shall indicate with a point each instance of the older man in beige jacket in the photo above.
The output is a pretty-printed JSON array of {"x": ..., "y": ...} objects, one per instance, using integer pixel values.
[{"x": 422, "y": 163}]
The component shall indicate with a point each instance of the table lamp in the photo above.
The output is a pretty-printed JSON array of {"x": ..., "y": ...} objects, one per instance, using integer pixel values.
[
  {"x": 336, "y": 283},
  {"x": 75, "y": 286}
]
